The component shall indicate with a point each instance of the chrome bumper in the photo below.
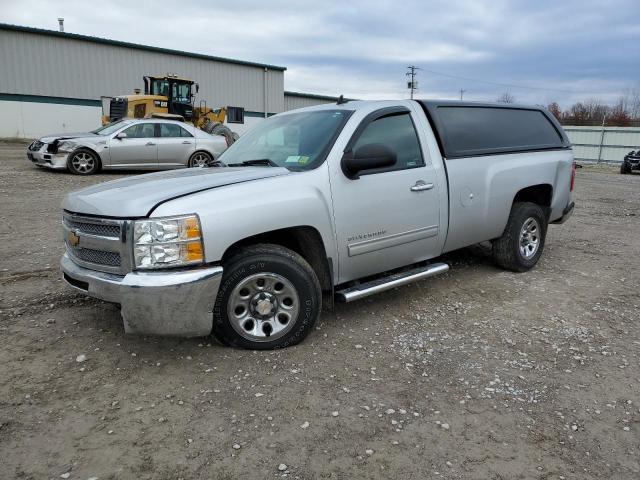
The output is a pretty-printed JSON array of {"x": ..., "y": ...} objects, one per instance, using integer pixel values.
[{"x": 176, "y": 303}]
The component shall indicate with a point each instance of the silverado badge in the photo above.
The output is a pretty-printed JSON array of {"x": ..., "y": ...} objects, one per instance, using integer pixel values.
[{"x": 73, "y": 239}]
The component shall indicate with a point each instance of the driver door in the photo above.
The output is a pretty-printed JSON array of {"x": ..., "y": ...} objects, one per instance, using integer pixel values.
[
  {"x": 387, "y": 218},
  {"x": 138, "y": 150}
]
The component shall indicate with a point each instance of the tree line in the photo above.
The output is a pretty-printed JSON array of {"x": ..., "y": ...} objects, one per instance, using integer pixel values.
[{"x": 625, "y": 112}]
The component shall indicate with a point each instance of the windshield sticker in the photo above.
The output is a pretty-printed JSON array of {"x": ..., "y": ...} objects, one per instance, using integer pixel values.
[{"x": 299, "y": 159}]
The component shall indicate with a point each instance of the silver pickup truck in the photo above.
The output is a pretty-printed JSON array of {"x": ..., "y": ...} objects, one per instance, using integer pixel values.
[{"x": 347, "y": 200}]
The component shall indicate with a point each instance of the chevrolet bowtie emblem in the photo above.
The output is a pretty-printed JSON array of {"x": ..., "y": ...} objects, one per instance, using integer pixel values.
[{"x": 73, "y": 239}]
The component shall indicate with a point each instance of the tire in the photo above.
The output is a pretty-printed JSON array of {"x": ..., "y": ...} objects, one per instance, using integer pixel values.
[
  {"x": 521, "y": 245},
  {"x": 278, "y": 314},
  {"x": 199, "y": 159},
  {"x": 624, "y": 169},
  {"x": 83, "y": 162},
  {"x": 226, "y": 132}
]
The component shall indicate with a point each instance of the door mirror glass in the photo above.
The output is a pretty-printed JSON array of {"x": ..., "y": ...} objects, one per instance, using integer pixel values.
[
  {"x": 121, "y": 135},
  {"x": 371, "y": 156}
]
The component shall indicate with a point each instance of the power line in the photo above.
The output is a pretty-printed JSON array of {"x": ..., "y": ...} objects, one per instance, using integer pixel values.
[{"x": 507, "y": 85}]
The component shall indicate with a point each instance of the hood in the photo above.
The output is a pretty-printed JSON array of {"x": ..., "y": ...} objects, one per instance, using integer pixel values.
[
  {"x": 138, "y": 196},
  {"x": 67, "y": 136}
]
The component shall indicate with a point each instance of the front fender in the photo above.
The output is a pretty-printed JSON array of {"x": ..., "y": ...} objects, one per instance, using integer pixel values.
[{"x": 234, "y": 212}]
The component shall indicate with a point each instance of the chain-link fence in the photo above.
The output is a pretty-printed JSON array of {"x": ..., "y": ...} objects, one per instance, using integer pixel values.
[{"x": 598, "y": 144}]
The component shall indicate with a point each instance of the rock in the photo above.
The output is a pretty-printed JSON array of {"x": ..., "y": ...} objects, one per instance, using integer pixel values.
[
  {"x": 626, "y": 429},
  {"x": 282, "y": 467},
  {"x": 369, "y": 451},
  {"x": 259, "y": 394},
  {"x": 81, "y": 358},
  {"x": 305, "y": 425},
  {"x": 445, "y": 426},
  {"x": 390, "y": 411},
  {"x": 65, "y": 475},
  {"x": 449, "y": 464},
  {"x": 236, "y": 446},
  {"x": 335, "y": 413}
]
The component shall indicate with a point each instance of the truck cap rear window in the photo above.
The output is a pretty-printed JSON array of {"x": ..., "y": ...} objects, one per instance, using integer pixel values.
[{"x": 472, "y": 130}]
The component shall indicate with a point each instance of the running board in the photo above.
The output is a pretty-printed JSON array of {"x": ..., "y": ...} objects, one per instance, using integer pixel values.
[{"x": 385, "y": 283}]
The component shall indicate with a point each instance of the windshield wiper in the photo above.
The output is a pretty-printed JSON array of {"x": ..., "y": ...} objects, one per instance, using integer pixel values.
[{"x": 260, "y": 161}]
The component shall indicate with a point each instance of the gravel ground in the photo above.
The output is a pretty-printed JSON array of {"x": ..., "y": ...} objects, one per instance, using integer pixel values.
[{"x": 478, "y": 373}]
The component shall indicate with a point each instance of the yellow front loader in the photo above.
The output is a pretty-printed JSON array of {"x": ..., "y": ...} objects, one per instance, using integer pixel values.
[{"x": 168, "y": 96}]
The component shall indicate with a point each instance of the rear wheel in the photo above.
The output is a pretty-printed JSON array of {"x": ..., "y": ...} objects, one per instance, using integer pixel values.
[
  {"x": 83, "y": 162},
  {"x": 269, "y": 298},
  {"x": 200, "y": 159},
  {"x": 521, "y": 245},
  {"x": 625, "y": 169}
]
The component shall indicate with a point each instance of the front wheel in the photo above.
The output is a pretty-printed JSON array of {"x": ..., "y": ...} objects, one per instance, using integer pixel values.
[
  {"x": 83, "y": 162},
  {"x": 624, "y": 169},
  {"x": 520, "y": 246},
  {"x": 269, "y": 298}
]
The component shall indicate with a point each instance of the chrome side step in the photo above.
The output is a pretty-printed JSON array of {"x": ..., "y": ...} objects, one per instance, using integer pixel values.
[{"x": 385, "y": 283}]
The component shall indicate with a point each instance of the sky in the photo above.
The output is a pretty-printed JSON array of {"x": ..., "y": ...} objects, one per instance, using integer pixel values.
[{"x": 540, "y": 51}]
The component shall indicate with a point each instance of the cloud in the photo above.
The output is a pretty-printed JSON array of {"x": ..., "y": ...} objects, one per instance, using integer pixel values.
[{"x": 568, "y": 50}]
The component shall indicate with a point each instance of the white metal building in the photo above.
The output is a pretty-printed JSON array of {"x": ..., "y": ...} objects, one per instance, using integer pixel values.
[{"x": 52, "y": 81}]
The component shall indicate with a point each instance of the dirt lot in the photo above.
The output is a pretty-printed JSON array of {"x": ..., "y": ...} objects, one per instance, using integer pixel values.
[{"x": 478, "y": 373}]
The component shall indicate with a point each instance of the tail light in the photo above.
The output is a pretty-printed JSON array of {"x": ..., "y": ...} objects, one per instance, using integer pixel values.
[{"x": 573, "y": 176}]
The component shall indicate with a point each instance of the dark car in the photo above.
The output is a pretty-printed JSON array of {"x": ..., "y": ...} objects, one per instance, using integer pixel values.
[{"x": 631, "y": 162}]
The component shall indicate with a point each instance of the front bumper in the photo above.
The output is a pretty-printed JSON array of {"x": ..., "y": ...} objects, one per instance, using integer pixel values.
[
  {"x": 632, "y": 164},
  {"x": 170, "y": 302},
  {"x": 56, "y": 161}
]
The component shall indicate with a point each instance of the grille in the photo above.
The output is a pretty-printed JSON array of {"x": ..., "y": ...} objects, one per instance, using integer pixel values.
[
  {"x": 117, "y": 109},
  {"x": 36, "y": 146},
  {"x": 103, "y": 230},
  {"x": 99, "y": 257}
]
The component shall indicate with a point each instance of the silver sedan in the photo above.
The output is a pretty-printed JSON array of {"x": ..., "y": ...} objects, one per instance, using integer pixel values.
[{"x": 149, "y": 144}]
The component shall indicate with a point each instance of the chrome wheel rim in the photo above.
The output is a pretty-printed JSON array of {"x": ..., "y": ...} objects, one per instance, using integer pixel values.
[
  {"x": 529, "y": 238},
  {"x": 200, "y": 160},
  {"x": 263, "y": 307},
  {"x": 83, "y": 162}
]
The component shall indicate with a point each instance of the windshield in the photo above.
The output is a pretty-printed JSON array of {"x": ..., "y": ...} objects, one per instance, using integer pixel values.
[
  {"x": 297, "y": 141},
  {"x": 110, "y": 128}
]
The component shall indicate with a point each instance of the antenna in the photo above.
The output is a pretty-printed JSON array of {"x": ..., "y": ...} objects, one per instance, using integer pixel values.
[
  {"x": 412, "y": 84},
  {"x": 341, "y": 100}
]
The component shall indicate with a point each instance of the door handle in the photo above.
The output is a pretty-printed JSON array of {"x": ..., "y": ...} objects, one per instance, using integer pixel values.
[
  {"x": 421, "y": 186},
  {"x": 186, "y": 142},
  {"x": 149, "y": 144}
]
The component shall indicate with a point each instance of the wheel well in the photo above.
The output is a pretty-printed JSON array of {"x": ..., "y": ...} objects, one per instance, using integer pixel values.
[
  {"x": 304, "y": 240},
  {"x": 538, "y": 194},
  {"x": 200, "y": 150}
]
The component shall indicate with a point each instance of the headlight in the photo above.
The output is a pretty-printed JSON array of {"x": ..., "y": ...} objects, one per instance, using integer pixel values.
[
  {"x": 167, "y": 242},
  {"x": 67, "y": 146}
]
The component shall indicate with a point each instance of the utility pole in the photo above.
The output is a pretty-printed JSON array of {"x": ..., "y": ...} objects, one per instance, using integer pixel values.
[
  {"x": 462, "y": 93},
  {"x": 412, "y": 84}
]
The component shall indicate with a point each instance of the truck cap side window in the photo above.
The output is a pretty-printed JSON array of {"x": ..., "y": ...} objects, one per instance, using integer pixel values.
[{"x": 474, "y": 130}]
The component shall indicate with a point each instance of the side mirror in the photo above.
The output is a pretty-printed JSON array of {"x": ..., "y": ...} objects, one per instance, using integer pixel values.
[
  {"x": 371, "y": 156},
  {"x": 121, "y": 135},
  {"x": 197, "y": 88}
]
